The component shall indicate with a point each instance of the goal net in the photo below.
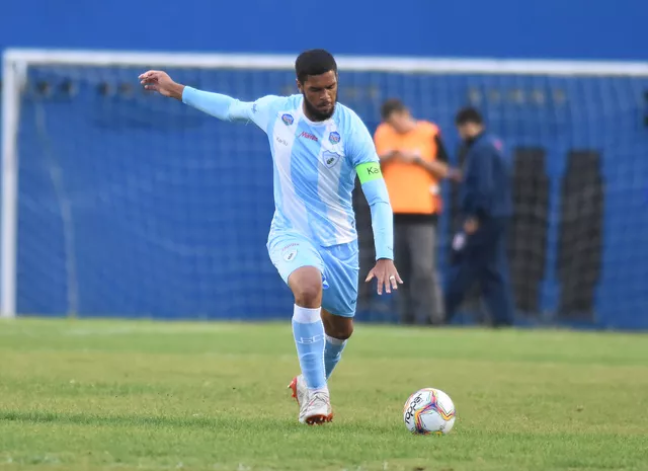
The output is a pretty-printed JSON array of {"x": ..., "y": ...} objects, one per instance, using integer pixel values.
[{"x": 120, "y": 202}]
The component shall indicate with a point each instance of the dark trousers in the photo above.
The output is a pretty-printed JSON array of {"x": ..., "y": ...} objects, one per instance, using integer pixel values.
[
  {"x": 483, "y": 258},
  {"x": 420, "y": 297}
]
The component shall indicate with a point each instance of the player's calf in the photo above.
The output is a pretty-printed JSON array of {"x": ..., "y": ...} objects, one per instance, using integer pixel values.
[
  {"x": 337, "y": 327},
  {"x": 308, "y": 329},
  {"x": 338, "y": 330}
]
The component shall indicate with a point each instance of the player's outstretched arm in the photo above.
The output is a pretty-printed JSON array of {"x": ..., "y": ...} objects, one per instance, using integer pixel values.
[{"x": 215, "y": 104}]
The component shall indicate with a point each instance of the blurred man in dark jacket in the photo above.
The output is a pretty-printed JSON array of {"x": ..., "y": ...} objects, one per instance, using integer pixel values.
[{"x": 479, "y": 248}]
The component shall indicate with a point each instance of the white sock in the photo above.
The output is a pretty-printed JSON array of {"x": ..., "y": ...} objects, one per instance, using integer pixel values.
[{"x": 308, "y": 331}]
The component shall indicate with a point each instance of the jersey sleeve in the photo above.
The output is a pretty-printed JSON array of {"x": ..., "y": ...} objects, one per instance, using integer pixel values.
[
  {"x": 260, "y": 111},
  {"x": 360, "y": 146},
  {"x": 227, "y": 108}
]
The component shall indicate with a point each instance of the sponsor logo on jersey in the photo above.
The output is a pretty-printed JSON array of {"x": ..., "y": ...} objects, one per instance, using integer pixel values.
[
  {"x": 330, "y": 158},
  {"x": 308, "y": 135},
  {"x": 281, "y": 141},
  {"x": 334, "y": 138},
  {"x": 287, "y": 119}
]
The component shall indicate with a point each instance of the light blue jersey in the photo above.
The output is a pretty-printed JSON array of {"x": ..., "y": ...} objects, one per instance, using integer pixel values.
[{"x": 314, "y": 166}]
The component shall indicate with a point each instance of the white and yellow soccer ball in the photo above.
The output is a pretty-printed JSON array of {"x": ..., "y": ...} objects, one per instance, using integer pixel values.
[{"x": 429, "y": 411}]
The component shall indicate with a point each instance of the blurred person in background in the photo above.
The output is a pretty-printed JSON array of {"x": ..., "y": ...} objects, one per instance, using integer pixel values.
[
  {"x": 414, "y": 161},
  {"x": 479, "y": 248}
]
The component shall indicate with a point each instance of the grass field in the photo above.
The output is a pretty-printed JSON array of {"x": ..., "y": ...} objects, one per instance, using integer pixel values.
[{"x": 119, "y": 395}]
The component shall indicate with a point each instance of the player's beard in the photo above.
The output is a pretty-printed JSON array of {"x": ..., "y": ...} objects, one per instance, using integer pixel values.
[{"x": 314, "y": 113}]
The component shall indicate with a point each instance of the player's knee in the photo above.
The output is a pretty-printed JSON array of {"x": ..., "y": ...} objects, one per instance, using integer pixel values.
[
  {"x": 308, "y": 295},
  {"x": 342, "y": 332},
  {"x": 306, "y": 285},
  {"x": 340, "y": 328}
]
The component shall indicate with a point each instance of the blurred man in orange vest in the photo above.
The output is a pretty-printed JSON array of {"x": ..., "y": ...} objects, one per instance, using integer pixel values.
[{"x": 414, "y": 161}]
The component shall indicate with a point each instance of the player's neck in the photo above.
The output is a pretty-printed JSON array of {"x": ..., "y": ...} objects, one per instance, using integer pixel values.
[{"x": 313, "y": 118}]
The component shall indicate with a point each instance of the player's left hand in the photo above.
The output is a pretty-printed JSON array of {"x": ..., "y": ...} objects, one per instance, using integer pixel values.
[{"x": 386, "y": 274}]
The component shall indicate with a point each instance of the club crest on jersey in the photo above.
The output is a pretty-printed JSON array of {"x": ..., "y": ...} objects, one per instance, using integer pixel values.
[
  {"x": 330, "y": 158},
  {"x": 334, "y": 138},
  {"x": 287, "y": 119}
]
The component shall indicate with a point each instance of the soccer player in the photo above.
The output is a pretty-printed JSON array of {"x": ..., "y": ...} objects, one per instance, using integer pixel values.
[{"x": 318, "y": 146}]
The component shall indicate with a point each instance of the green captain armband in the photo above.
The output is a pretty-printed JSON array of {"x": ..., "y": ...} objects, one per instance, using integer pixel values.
[{"x": 369, "y": 171}]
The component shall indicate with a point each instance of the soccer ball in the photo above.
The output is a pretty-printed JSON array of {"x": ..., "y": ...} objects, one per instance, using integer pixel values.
[{"x": 429, "y": 411}]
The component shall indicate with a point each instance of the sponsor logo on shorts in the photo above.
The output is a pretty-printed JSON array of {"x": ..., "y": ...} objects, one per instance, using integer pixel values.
[{"x": 288, "y": 254}]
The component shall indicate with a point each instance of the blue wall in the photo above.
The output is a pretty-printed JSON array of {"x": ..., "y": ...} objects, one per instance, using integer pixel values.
[{"x": 595, "y": 29}]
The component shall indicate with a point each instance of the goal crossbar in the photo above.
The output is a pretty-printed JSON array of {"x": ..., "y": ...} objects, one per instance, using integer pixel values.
[{"x": 350, "y": 63}]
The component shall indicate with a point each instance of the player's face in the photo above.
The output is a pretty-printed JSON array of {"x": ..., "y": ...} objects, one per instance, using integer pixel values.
[{"x": 320, "y": 95}]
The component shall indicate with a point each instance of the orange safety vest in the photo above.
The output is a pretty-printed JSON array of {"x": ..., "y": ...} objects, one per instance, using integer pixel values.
[{"x": 412, "y": 189}]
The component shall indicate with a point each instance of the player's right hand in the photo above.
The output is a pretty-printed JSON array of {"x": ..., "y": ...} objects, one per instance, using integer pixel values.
[
  {"x": 159, "y": 81},
  {"x": 386, "y": 274}
]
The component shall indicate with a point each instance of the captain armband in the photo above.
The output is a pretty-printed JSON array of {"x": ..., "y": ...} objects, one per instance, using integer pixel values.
[{"x": 369, "y": 171}]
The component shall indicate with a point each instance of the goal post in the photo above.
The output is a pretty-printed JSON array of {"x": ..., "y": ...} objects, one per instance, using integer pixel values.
[
  {"x": 128, "y": 239},
  {"x": 10, "y": 115}
]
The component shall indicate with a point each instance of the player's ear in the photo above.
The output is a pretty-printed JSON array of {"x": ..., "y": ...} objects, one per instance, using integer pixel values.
[{"x": 299, "y": 85}]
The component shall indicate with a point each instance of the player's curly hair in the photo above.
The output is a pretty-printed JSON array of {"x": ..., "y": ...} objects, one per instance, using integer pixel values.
[{"x": 314, "y": 62}]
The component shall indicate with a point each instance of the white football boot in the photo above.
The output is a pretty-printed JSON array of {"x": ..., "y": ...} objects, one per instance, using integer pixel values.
[
  {"x": 314, "y": 408},
  {"x": 299, "y": 389}
]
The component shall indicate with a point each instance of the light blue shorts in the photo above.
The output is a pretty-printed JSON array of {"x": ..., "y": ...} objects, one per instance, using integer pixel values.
[{"x": 338, "y": 264}]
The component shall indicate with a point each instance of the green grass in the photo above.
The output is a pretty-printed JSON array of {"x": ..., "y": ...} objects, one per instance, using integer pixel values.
[{"x": 118, "y": 395}]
